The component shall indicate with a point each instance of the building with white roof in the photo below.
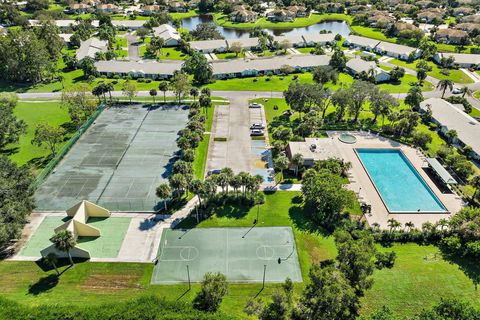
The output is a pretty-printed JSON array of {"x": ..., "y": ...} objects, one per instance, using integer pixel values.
[
  {"x": 311, "y": 39},
  {"x": 449, "y": 117},
  {"x": 90, "y": 47},
  {"x": 462, "y": 60},
  {"x": 169, "y": 34},
  {"x": 357, "y": 66},
  {"x": 139, "y": 69},
  {"x": 397, "y": 50},
  {"x": 208, "y": 46},
  {"x": 361, "y": 42}
]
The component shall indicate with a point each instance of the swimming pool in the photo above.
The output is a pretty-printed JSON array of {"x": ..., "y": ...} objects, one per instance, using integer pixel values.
[{"x": 398, "y": 183}]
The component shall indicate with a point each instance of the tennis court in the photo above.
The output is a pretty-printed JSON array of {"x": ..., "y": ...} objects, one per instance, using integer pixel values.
[
  {"x": 118, "y": 162},
  {"x": 241, "y": 254}
]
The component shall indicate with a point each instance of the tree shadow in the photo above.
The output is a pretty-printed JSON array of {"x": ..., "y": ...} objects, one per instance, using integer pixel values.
[
  {"x": 470, "y": 267},
  {"x": 44, "y": 284},
  {"x": 299, "y": 214},
  {"x": 9, "y": 151},
  {"x": 69, "y": 127}
]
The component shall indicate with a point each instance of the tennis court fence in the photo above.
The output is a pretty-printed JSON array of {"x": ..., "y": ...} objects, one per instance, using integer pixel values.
[{"x": 64, "y": 150}]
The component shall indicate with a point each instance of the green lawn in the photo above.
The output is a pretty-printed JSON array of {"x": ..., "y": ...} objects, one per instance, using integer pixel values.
[
  {"x": 314, "y": 18},
  {"x": 202, "y": 150},
  {"x": 457, "y": 76},
  {"x": 276, "y": 83},
  {"x": 167, "y": 53},
  {"x": 121, "y": 53},
  {"x": 371, "y": 33},
  {"x": 183, "y": 15},
  {"x": 229, "y": 55},
  {"x": 121, "y": 41},
  {"x": 33, "y": 113},
  {"x": 417, "y": 280}
]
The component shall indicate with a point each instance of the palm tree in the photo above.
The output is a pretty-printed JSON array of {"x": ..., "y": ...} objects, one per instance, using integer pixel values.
[
  {"x": 475, "y": 183},
  {"x": 164, "y": 192},
  {"x": 64, "y": 241},
  {"x": 206, "y": 91},
  {"x": 51, "y": 259},
  {"x": 205, "y": 102},
  {"x": 228, "y": 172},
  {"x": 98, "y": 91},
  {"x": 409, "y": 225},
  {"x": 163, "y": 86},
  {"x": 465, "y": 91},
  {"x": 297, "y": 161},
  {"x": 281, "y": 163},
  {"x": 194, "y": 93},
  {"x": 393, "y": 224},
  {"x": 376, "y": 226},
  {"x": 153, "y": 94},
  {"x": 109, "y": 88},
  {"x": 196, "y": 186},
  {"x": 442, "y": 223},
  {"x": 444, "y": 85}
]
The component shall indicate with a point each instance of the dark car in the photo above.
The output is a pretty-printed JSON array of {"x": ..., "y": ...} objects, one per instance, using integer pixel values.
[{"x": 213, "y": 172}]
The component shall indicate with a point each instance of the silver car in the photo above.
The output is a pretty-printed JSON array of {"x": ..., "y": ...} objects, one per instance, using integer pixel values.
[
  {"x": 255, "y": 105},
  {"x": 256, "y": 132},
  {"x": 257, "y": 126}
]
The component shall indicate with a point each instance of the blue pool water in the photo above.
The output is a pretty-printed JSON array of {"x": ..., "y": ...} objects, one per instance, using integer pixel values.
[{"x": 398, "y": 182}]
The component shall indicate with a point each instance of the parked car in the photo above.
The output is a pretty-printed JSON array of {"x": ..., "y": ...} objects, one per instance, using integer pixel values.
[
  {"x": 213, "y": 172},
  {"x": 256, "y": 132},
  {"x": 255, "y": 105},
  {"x": 257, "y": 126},
  {"x": 456, "y": 90}
]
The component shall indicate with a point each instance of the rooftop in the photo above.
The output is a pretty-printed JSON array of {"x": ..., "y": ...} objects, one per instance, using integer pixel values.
[{"x": 314, "y": 149}]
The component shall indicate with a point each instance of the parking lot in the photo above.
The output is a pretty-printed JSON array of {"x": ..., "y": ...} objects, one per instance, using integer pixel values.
[{"x": 231, "y": 145}]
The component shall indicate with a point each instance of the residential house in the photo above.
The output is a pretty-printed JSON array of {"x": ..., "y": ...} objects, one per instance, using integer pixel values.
[
  {"x": 471, "y": 19},
  {"x": 469, "y": 27},
  {"x": 461, "y": 60},
  {"x": 334, "y": 7},
  {"x": 299, "y": 11},
  {"x": 243, "y": 15},
  {"x": 90, "y": 47},
  {"x": 126, "y": 24},
  {"x": 397, "y": 51},
  {"x": 380, "y": 20},
  {"x": 403, "y": 26},
  {"x": 311, "y": 150},
  {"x": 193, "y": 4},
  {"x": 296, "y": 40},
  {"x": 208, "y": 46},
  {"x": 311, "y": 39},
  {"x": 452, "y": 36},
  {"x": 149, "y": 10},
  {"x": 139, "y": 69},
  {"x": 281, "y": 15},
  {"x": 425, "y": 4},
  {"x": 108, "y": 8},
  {"x": 357, "y": 66},
  {"x": 79, "y": 8},
  {"x": 247, "y": 68},
  {"x": 432, "y": 15},
  {"x": 361, "y": 43},
  {"x": 245, "y": 43},
  {"x": 352, "y": 10},
  {"x": 449, "y": 117},
  {"x": 463, "y": 11},
  {"x": 177, "y": 6},
  {"x": 170, "y": 35},
  {"x": 406, "y": 8}
]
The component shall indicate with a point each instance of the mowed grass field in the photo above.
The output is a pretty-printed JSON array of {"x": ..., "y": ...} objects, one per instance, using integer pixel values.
[
  {"x": 34, "y": 113},
  {"x": 418, "y": 280}
]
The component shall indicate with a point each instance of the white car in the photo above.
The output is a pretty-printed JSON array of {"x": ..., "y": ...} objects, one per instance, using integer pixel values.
[
  {"x": 456, "y": 91},
  {"x": 256, "y": 132},
  {"x": 255, "y": 105},
  {"x": 257, "y": 126}
]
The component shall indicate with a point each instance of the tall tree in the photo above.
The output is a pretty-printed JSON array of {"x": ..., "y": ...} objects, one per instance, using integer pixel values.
[
  {"x": 180, "y": 85},
  {"x": 381, "y": 103},
  {"x": 48, "y": 135},
  {"x": 445, "y": 84},
  {"x": 11, "y": 128},
  {"x": 164, "y": 192},
  {"x": 163, "y": 86},
  {"x": 359, "y": 91},
  {"x": 214, "y": 288},
  {"x": 15, "y": 198},
  {"x": 64, "y": 242},
  {"x": 198, "y": 65},
  {"x": 153, "y": 94},
  {"x": 414, "y": 97},
  {"x": 78, "y": 102},
  {"x": 129, "y": 89}
]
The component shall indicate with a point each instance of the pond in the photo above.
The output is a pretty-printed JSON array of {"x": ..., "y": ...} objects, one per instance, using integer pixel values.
[{"x": 336, "y": 27}]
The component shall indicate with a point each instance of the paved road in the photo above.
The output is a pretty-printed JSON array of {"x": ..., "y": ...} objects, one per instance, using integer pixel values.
[{"x": 133, "y": 47}]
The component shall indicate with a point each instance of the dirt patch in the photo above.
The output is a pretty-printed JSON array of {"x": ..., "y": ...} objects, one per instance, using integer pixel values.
[
  {"x": 259, "y": 164},
  {"x": 111, "y": 282}
]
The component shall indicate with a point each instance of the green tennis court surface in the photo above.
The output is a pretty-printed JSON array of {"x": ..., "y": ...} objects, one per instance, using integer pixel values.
[{"x": 239, "y": 253}]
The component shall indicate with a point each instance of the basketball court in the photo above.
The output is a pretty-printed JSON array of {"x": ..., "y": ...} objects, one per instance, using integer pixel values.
[{"x": 241, "y": 254}]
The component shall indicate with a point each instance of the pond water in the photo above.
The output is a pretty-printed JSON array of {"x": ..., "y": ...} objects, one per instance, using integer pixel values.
[{"x": 336, "y": 27}]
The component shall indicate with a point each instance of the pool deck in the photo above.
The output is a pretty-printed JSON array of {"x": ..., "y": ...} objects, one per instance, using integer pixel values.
[{"x": 361, "y": 184}]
